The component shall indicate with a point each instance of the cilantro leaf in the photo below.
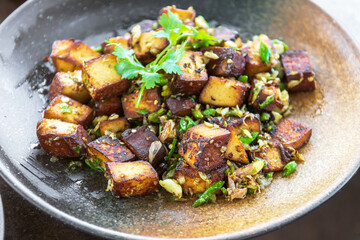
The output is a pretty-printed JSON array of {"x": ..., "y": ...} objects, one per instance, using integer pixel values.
[
  {"x": 127, "y": 70},
  {"x": 150, "y": 79},
  {"x": 170, "y": 64},
  {"x": 169, "y": 21}
]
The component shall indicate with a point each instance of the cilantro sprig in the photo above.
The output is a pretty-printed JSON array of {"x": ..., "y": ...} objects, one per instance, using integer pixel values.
[{"x": 176, "y": 33}]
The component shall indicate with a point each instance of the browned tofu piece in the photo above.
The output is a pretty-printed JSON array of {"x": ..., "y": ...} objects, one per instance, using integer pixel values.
[
  {"x": 227, "y": 34},
  {"x": 249, "y": 122},
  {"x": 108, "y": 106},
  {"x": 69, "y": 55},
  {"x": 101, "y": 78},
  {"x": 180, "y": 106},
  {"x": 298, "y": 73},
  {"x": 235, "y": 150},
  {"x": 254, "y": 64},
  {"x": 69, "y": 110},
  {"x": 61, "y": 138},
  {"x": 151, "y": 101},
  {"x": 141, "y": 140},
  {"x": 129, "y": 179},
  {"x": 257, "y": 99},
  {"x": 69, "y": 84},
  {"x": 146, "y": 25},
  {"x": 109, "y": 48},
  {"x": 192, "y": 181},
  {"x": 114, "y": 126},
  {"x": 224, "y": 61},
  {"x": 186, "y": 16},
  {"x": 147, "y": 46},
  {"x": 292, "y": 133},
  {"x": 108, "y": 149},
  {"x": 203, "y": 147},
  {"x": 274, "y": 158},
  {"x": 223, "y": 92},
  {"x": 194, "y": 76}
]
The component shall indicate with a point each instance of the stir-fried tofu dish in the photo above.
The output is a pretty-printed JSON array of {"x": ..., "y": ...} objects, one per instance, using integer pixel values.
[{"x": 178, "y": 106}]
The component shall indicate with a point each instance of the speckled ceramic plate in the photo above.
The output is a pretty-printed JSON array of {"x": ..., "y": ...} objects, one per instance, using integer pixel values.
[{"x": 78, "y": 198}]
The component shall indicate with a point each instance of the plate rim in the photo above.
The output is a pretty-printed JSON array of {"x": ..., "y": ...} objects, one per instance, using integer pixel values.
[{"x": 243, "y": 234}]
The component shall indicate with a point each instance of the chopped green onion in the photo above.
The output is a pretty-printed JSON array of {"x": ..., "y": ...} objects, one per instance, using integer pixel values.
[
  {"x": 197, "y": 114},
  {"x": 224, "y": 191},
  {"x": 248, "y": 140},
  {"x": 243, "y": 79},
  {"x": 99, "y": 49},
  {"x": 269, "y": 175},
  {"x": 265, "y": 117},
  {"x": 265, "y": 53},
  {"x": 267, "y": 101},
  {"x": 289, "y": 168},
  {"x": 78, "y": 149},
  {"x": 142, "y": 111},
  {"x": 277, "y": 41},
  {"x": 209, "y": 112},
  {"x": 205, "y": 197},
  {"x": 281, "y": 86},
  {"x": 172, "y": 150},
  {"x": 65, "y": 108},
  {"x": 260, "y": 159},
  {"x": 154, "y": 117}
]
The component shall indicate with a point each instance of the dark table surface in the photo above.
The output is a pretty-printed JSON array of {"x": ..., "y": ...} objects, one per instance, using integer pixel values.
[{"x": 338, "y": 218}]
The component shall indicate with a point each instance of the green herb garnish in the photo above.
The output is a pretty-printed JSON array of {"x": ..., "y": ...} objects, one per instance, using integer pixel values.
[
  {"x": 210, "y": 112},
  {"x": 281, "y": 86},
  {"x": 265, "y": 53},
  {"x": 185, "y": 124},
  {"x": 154, "y": 117},
  {"x": 172, "y": 150},
  {"x": 94, "y": 164},
  {"x": 267, "y": 101},
  {"x": 197, "y": 114},
  {"x": 243, "y": 79},
  {"x": 142, "y": 112},
  {"x": 205, "y": 197},
  {"x": 65, "y": 108},
  {"x": 248, "y": 140},
  {"x": 78, "y": 149},
  {"x": 265, "y": 117},
  {"x": 277, "y": 41},
  {"x": 174, "y": 31},
  {"x": 289, "y": 168},
  {"x": 99, "y": 49}
]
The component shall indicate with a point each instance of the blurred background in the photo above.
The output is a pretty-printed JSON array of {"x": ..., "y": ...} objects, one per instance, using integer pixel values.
[{"x": 338, "y": 218}]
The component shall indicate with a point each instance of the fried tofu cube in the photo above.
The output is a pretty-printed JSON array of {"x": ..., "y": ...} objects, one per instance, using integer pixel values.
[
  {"x": 108, "y": 106},
  {"x": 222, "y": 92},
  {"x": 235, "y": 150},
  {"x": 194, "y": 76},
  {"x": 292, "y": 133},
  {"x": 224, "y": 61},
  {"x": 69, "y": 84},
  {"x": 69, "y": 55},
  {"x": 180, "y": 106},
  {"x": 109, "y": 149},
  {"x": 227, "y": 34},
  {"x": 150, "y": 101},
  {"x": 186, "y": 16},
  {"x": 61, "y": 138},
  {"x": 298, "y": 73},
  {"x": 129, "y": 179},
  {"x": 254, "y": 64},
  {"x": 273, "y": 157},
  {"x": 146, "y": 46},
  {"x": 203, "y": 147},
  {"x": 250, "y": 122},
  {"x": 101, "y": 78},
  {"x": 260, "y": 97},
  {"x": 69, "y": 110},
  {"x": 146, "y": 25},
  {"x": 109, "y": 48},
  {"x": 144, "y": 144},
  {"x": 193, "y": 181},
  {"x": 114, "y": 126}
]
